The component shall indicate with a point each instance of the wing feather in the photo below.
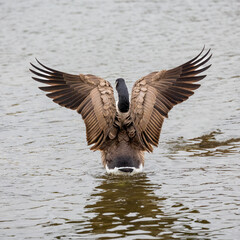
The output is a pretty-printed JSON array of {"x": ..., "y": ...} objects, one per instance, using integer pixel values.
[
  {"x": 89, "y": 95},
  {"x": 154, "y": 95}
]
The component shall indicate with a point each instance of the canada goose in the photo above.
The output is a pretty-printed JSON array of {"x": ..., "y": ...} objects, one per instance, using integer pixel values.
[{"x": 125, "y": 132}]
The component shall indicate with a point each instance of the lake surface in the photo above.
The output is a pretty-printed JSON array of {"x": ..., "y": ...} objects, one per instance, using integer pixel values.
[{"x": 53, "y": 187}]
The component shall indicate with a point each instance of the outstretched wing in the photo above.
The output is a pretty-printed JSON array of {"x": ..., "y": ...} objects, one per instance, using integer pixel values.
[
  {"x": 154, "y": 95},
  {"x": 91, "y": 96}
]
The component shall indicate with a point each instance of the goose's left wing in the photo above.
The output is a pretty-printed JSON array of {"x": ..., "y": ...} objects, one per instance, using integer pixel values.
[
  {"x": 91, "y": 96},
  {"x": 154, "y": 95}
]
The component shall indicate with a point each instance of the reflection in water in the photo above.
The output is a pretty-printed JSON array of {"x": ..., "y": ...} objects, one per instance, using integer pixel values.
[
  {"x": 207, "y": 145},
  {"x": 127, "y": 206}
]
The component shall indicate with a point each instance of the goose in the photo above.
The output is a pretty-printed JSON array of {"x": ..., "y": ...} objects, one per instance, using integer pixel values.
[{"x": 123, "y": 132}]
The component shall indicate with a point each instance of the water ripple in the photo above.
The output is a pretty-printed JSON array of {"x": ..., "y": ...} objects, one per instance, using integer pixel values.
[{"x": 54, "y": 187}]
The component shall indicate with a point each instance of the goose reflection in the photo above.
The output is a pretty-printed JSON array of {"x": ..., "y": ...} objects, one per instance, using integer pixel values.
[{"x": 121, "y": 207}]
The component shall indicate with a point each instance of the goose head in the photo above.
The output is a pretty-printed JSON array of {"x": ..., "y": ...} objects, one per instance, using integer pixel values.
[{"x": 123, "y": 95}]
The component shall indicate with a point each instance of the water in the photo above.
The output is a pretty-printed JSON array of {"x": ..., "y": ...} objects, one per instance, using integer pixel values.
[{"x": 53, "y": 187}]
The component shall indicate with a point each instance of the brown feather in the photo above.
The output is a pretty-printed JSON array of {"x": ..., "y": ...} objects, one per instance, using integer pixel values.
[
  {"x": 49, "y": 82},
  {"x": 82, "y": 93},
  {"x": 153, "y": 96},
  {"x": 193, "y": 73},
  {"x": 64, "y": 99},
  {"x": 164, "y": 90},
  {"x": 191, "y": 79},
  {"x": 188, "y": 86},
  {"x": 54, "y": 88},
  {"x": 59, "y": 93},
  {"x": 50, "y": 77}
]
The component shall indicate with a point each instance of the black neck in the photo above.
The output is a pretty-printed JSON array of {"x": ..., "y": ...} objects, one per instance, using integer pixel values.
[{"x": 123, "y": 103}]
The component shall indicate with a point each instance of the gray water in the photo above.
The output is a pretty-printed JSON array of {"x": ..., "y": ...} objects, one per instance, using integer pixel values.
[{"x": 53, "y": 187}]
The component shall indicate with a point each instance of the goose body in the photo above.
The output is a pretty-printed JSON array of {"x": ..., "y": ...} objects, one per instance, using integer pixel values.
[{"x": 123, "y": 132}]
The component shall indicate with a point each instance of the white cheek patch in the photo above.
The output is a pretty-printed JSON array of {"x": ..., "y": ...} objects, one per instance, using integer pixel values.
[{"x": 117, "y": 171}]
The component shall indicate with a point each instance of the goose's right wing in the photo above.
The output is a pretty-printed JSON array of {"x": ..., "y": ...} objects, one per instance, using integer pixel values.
[
  {"x": 91, "y": 96},
  {"x": 154, "y": 95}
]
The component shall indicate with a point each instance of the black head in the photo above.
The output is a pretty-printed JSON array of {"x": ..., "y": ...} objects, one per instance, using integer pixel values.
[
  {"x": 123, "y": 96},
  {"x": 119, "y": 83}
]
